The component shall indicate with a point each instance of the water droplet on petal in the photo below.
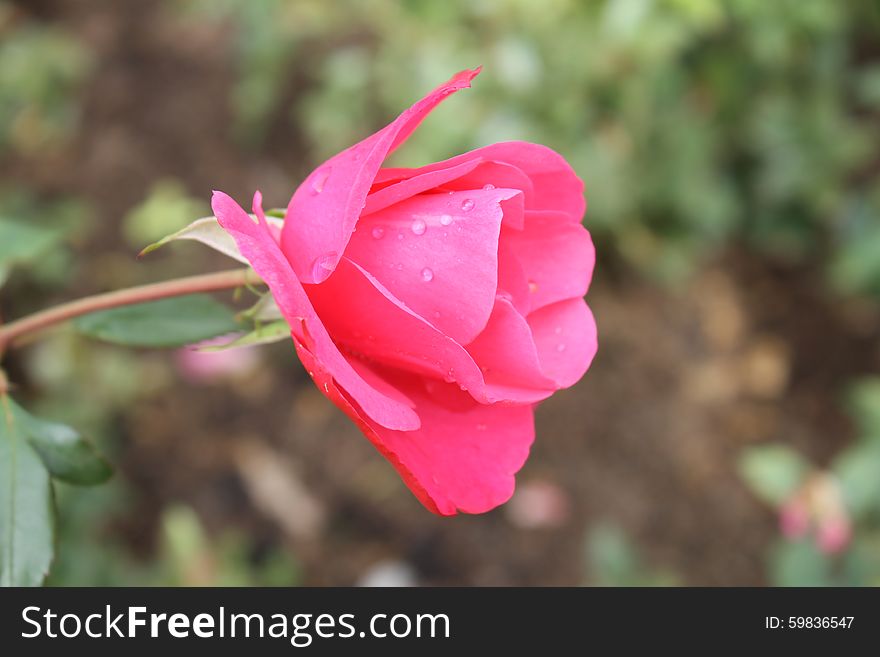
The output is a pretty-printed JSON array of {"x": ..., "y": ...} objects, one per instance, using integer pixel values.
[
  {"x": 400, "y": 236},
  {"x": 323, "y": 264},
  {"x": 488, "y": 186},
  {"x": 467, "y": 205},
  {"x": 418, "y": 227},
  {"x": 427, "y": 275},
  {"x": 533, "y": 287},
  {"x": 378, "y": 232},
  {"x": 437, "y": 314},
  {"x": 445, "y": 219},
  {"x": 560, "y": 347},
  {"x": 319, "y": 180},
  {"x": 558, "y": 330},
  {"x": 481, "y": 427},
  {"x": 399, "y": 266},
  {"x": 450, "y": 376}
]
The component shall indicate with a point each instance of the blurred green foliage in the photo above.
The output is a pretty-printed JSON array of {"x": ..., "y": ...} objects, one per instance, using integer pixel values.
[
  {"x": 32, "y": 228},
  {"x": 693, "y": 122},
  {"x": 613, "y": 560},
  {"x": 41, "y": 68},
  {"x": 777, "y": 474}
]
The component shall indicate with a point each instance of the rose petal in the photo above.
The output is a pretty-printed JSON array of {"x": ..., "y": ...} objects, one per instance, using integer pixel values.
[
  {"x": 406, "y": 188},
  {"x": 438, "y": 254},
  {"x": 565, "y": 336},
  {"x": 369, "y": 320},
  {"x": 464, "y": 456},
  {"x": 324, "y": 210},
  {"x": 553, "y": 184},
  {"x": 512, "y": 280},
  {"x": 506, "y": 352},
  {"x": 262, "y": 251},
  {"x": 556, "y": 255}
]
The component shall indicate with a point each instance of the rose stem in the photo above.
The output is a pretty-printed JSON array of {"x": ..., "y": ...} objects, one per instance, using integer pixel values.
[{"x": 221, "y": 280}]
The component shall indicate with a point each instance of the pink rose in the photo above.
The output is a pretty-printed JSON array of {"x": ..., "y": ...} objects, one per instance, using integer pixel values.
[{"x": 435, "y": 306}]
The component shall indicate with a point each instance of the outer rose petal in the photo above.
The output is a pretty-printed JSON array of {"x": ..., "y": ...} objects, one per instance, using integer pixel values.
[
  {"x": 464, "y": 456},
  {"x": 565, "y": 335},
  {"x": 554, "y": 184},
  {"x": 436, "y": 257},
  {"x": 557, "y": 257},
  {"x": 325, "y": 208},
  {"x": 257, "y": 245}
]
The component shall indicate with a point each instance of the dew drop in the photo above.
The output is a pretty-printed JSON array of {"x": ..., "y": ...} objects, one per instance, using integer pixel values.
[
  {"x": 450, "y": 376},
  {"x": 533, "y": 287},
  {"x": 378, "y": 232},
  {"x": 558, "y": 330},
  {"x": 400, "y": 236},
  {"x": 436, "y": 314},
  {"x": 488, "y": 186},
  {"x": 560, "y": 347},
  {"x": 427, "y": 275},
  {"x": 399, "y": 266},
  {"x": 323, "y": 264},
  {"x": 467, "y": 205},
  {"x": 418, "y": 227},
  {"x": 445, "y": 219},
  {"x": 319, "y": 180}
]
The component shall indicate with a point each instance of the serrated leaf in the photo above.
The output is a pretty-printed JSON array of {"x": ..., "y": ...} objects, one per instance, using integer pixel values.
[
  {"x": 266, "y": 334},
  {"x": 66, "y": 454},
  {"x": 773, "y": 472},
  {"x": 172, "y": 322},
  {"x": 210, "y": 233},
  {"x": 27, "y": 519}
]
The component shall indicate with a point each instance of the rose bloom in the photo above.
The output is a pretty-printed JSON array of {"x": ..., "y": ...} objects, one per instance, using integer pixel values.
[{"x": 436, "y": 306}]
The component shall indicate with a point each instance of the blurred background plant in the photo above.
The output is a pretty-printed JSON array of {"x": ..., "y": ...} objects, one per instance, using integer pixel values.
[{"x": 730, "y": 153}]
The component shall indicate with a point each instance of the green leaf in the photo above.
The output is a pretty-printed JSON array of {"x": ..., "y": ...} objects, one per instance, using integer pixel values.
[
  {"x": 266, "y": 334},
  {"x": 210, "y": 233},
  {"x": 21, "y": 243},
  {"x": 772, "y": 472},
  {"x": 27, "y": 519},
  {"x": 66, "y": 454},
  {"x": 172, "y": 322}
]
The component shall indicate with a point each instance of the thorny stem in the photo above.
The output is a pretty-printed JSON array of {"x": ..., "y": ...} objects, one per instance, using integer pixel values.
[{"x": 221, "y": 280}]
